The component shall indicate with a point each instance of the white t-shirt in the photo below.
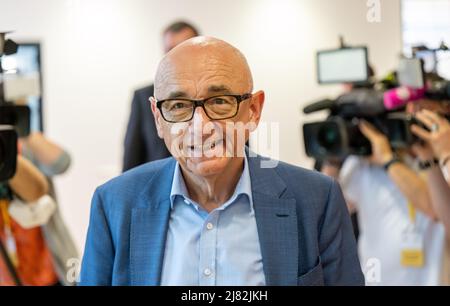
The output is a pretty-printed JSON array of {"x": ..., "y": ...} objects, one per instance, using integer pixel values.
[{"x": 383, "y": 217}]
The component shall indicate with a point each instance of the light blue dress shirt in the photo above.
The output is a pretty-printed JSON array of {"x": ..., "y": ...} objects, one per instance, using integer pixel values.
[{"x": 218, "y": 248}]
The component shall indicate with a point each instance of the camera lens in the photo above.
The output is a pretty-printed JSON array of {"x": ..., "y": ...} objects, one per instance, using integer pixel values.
[{"x": 328, "y": 137}]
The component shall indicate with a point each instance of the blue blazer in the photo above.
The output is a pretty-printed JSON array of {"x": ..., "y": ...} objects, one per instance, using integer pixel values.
[{"x": 303, "y": 225}]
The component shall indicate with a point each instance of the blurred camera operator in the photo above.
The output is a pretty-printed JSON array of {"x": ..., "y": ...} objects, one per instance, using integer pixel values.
[
  {"x": 42, "y": 250},
  {"x": 52, "y": 160},
  {"x": 29, "y": 186},
  {"x": 397, "y": 219}
]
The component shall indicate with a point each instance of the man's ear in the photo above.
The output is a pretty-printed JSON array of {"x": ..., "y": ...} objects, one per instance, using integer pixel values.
[
  {"x": 256, "y": 107},
  {"x": 157, "y": 116}
]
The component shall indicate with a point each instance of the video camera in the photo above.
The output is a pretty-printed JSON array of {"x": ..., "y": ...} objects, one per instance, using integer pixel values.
[
  {"x": 14, "y": 121},
  {"x": 339, "y": 135}
]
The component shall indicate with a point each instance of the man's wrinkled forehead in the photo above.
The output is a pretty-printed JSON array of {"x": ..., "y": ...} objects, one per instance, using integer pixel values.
[
  {"x": 208, "y": 72},
  {"x": 202, "y": 65}
]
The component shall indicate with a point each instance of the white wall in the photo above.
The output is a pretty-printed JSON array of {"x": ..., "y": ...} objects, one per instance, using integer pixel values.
[{"x": 95, "y": 52}]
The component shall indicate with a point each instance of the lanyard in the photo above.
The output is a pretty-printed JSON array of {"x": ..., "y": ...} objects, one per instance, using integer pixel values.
[
  {"x": 5, "y": 215},
  {"x": 10, "y": 242},
  {"x": 412, "y": 213}
]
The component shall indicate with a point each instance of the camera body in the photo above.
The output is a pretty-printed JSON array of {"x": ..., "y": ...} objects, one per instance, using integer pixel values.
[
  {"x": 339, "y": 135},
  {"x": 14, "y": 123},
  {"x": 8, "y": 152}
]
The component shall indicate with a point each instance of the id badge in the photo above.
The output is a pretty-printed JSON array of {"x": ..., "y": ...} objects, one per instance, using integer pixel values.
[{"x": 412, "y": 249}]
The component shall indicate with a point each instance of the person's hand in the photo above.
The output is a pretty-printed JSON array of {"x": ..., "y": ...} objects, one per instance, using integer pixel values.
[
  {"x": 381, "y": 149},
  {"x": 26, "y": 140},
  {"x": 28, "y": 182},
  {"x": 439, "y": 137},
  {"x": 423, "y": 151}
]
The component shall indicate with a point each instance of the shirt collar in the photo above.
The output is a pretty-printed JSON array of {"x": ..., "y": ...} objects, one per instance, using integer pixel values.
[{"x": 243, "y": 187}]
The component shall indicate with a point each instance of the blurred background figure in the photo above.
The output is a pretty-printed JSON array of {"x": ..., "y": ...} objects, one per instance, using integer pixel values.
[
  {"x": 24, "y": 257},
  {"x": 36, "y": 238},
  {"x": 142, "y": 143},
  {"x": 52, "y": 160}
]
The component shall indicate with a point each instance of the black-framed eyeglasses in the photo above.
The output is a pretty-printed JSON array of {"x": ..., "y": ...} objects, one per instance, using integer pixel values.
[{"x": 216, "y": 108}]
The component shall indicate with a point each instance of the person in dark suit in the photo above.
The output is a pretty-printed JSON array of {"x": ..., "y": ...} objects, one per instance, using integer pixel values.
[
  {"x": 216, "y": 213},
  {"x": 142, "y": 143}
]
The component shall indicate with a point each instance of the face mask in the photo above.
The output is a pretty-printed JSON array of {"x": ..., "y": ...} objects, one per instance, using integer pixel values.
[{"x": 32, "y": 214}]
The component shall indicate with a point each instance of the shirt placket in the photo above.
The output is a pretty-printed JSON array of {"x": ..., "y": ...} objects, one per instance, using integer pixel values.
[{"x": 208, "y": 244}]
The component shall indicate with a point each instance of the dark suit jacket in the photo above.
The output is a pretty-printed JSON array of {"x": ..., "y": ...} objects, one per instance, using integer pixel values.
[
  {"x": 142, "y": 143},
  {"x": 302, "y": 220}
]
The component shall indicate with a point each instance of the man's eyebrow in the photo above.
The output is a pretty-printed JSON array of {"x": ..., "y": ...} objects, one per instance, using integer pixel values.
[
  {"x": 177, "y": 94},
  {"x": 219, "y": 89},
  {"x": 213, "y": 89}
]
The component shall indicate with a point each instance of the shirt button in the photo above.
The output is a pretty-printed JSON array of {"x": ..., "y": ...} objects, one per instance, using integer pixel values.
[
  {"x": 186, "y": 201},
  {"x": 209, "y": 226},
  {"x": 207, "y": 272}
]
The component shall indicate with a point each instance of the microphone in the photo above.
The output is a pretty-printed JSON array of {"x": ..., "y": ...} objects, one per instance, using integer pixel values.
[
  {"x": 398, "y": 97},
  {"x": 368, "y": 102}
]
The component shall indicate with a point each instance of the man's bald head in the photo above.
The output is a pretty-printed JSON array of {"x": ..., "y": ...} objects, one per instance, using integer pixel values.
[{"x": 202, "y": 62}]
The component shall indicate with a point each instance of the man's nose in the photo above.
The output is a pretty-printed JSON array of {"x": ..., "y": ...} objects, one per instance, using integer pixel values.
[
  {"x": 197, "y": 126},
  {"x": 200, "y": 118}
]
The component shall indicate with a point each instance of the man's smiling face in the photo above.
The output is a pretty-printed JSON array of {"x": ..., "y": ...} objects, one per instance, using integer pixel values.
[{"x": 198, "y": 69}]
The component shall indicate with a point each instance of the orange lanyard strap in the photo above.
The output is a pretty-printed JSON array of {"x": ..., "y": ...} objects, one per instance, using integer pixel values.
[
  {"x": 5, "y": 215},
  {"x": 412, "y": 213},
  {"x": 10, "y": 242},
  {"x": 9, "y": 253}
]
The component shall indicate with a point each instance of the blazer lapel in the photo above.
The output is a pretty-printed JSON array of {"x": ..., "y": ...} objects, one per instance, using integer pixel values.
[
  {"x": 149, "y": 224},
  {"x": 276, "y": 219}
]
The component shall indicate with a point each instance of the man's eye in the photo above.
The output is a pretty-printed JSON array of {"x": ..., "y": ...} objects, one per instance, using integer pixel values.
[
  {"x": 220, "y": 101},
  {"x": 179, "y": 106}
]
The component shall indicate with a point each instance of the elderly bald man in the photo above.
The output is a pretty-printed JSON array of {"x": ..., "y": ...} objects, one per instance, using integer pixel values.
[{"x": 211, "y": 214}]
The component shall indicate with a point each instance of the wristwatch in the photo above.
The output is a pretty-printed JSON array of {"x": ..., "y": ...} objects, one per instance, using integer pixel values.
[{"x": 394, "y": 160}]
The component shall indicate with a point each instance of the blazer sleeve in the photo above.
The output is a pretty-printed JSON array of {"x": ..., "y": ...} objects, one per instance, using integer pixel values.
[
  {"x": 134, "y": 146},
  {"x": 98, "y": 258},
  {"x": 337, "y": 243}
]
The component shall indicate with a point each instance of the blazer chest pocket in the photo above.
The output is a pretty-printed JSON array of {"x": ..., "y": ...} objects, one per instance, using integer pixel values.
[{"x": 313, "y": 277}]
